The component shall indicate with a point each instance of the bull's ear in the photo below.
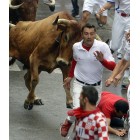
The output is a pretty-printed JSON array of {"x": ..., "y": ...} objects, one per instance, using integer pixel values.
[{"x": 55, "y": 21}]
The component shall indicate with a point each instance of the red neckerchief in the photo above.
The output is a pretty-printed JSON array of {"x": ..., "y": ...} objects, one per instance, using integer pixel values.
[
  {"x": 85, "y": 47},
  {"x": 79, "y": 113}
]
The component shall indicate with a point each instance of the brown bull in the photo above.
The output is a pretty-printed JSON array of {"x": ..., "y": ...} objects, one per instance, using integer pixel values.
[
  {"x": 43, "y": 46},
  {"x": 25, "y": 10}
]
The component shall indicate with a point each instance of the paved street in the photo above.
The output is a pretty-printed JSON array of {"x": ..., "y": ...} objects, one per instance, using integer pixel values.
[{"x": 42, "y": 122}]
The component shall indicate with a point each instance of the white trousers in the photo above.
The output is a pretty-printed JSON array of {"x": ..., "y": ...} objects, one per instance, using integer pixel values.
[
  {"x": 76, "y": 90},
  {"x": 119, "y": 27},
  {"x": 122, "y": 47}
]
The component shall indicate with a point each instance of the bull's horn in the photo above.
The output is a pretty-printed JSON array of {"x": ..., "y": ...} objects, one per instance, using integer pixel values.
[
  {"x": 63, "y": 21},
  {"x": 50, "y": 4},
  {"x": 67, "y": 22},
  {"x": 11, "y": 25},
  {"x": 14, "y": 6}
]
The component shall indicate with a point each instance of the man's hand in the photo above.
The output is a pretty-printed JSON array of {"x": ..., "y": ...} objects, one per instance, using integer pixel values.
[
  {"x": 99, "y": 55},
  {"x": 117, "y": 79},
  {"x": 120, "y": 132},
  {"x": 109, "y": 81},
  {"x": 66, "y": 82},
  {"x": 102, "y": 9},
  {"x": 107, "y": 5}
]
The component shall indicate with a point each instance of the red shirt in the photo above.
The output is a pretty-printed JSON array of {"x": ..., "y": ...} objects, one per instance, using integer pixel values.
[{"x": 106, "y": 104}]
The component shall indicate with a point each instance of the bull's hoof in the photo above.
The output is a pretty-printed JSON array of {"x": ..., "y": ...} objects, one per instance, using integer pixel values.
[
  {"x": 38, "y": 102},
  {"x": 52, "y": 8},
  {"x": 70, "y": 105},
  {"x": 28, "y": 105}
]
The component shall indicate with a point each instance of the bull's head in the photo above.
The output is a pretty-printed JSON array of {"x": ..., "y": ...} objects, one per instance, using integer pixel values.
[{"x": 71, "y": 34}]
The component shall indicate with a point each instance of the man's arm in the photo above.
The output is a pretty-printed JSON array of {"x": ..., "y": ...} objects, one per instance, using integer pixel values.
[
  {"x": 119, "y": 68},
  {"x": 108, "y": 64},
  {"x": 108, "y": 5},
  {"x": 120, "y": 75},
  {"x": 118, "y": 132},
  {"x": 67, "y": 81}
]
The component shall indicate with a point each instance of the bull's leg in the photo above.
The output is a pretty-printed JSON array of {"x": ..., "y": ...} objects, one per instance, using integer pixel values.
[
  {"x": 27, "y": 78},
  {"x": 69, "y": 101},
  {"x": 31, "y": 81}
]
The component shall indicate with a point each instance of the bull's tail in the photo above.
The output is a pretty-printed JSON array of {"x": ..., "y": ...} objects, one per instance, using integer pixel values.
[{"x": 12, "y": 61}]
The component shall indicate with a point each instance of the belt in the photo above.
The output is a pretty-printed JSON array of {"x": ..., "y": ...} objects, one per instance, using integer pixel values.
[
  {"x": 96, "y": 84},
  {"x": 124, "y": 14}
]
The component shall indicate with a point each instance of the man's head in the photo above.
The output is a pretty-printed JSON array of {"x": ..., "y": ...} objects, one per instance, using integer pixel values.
[
  {"x": 88, "y": 34},
  {"x": 89, "y": 94},
  {"x": 121, "y": 108}
]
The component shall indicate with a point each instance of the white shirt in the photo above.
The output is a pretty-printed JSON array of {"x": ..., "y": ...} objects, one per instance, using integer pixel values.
[{"x": 88, "y": 69}]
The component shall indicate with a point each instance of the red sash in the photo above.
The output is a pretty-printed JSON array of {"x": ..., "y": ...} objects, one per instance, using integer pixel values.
[{"x": 80, "y": 113}]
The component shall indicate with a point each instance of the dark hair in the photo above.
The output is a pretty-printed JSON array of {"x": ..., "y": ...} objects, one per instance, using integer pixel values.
[
  {"x": 91, "y": 93},
  {"x": 122, "y": 106},
  {"x": 88, "y": 25}
]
